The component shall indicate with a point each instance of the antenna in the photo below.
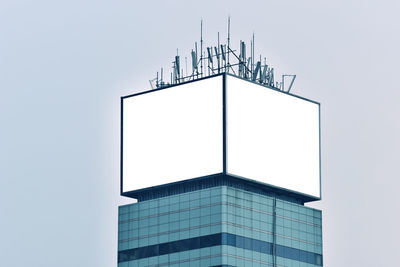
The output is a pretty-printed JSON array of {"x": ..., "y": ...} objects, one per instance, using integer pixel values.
[
  {"x": 252, "y": 55},
  {"x": 271, "y": 77},
  {"x": 242, "y": 58},
  {"x": 217, "y": 56},
  {"x": 223, "y": 51},
  {"x": 264, "y": 74},
  {"x": 258, "y": 69},
  {"x": 217, "y": 53},
  {"x": 247, "y": 67},
  {"x": 186, "y": 66},
  {"x": 162, "y": 83},
  {"x": 194, "y": 62},
  {"x": 229, "y": 38},
  {"x": 210, "y": 55},
  {"x": 197, "y": 70},
  {"x": 201, "y": 47},
  {"x": 210, "y": 59},
  {"x": 176, "y": 70},
  {"x": 204, "y": 58},
  {"x": 157, "y": 84}
]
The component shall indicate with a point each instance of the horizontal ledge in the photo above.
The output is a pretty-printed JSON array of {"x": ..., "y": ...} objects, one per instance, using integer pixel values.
[{"x": 214, "y": 180}]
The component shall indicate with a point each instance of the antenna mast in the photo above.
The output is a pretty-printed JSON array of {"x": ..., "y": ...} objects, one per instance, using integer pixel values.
[
  {"x": 201, "y": 47},
  {"x": 252, "y": 56},
  {"x": 229, "y": 39},
  {"x": 242, "y": 66}
]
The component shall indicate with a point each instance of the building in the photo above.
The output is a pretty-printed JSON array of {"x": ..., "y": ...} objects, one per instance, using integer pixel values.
[
  {"x": 219, "y": 226},
  {"x": 237, "y": 161}
]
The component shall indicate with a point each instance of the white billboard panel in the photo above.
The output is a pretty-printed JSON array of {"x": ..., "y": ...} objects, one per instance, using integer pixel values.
[
  {"x": 172, "y": 134},
  {"x": 272, "y": 137}
]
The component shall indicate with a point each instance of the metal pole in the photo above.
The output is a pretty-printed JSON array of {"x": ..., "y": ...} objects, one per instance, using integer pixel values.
[
  {"x": 157, "y": 80},
  {"x": 201, "y": 46},
  {"x": 229, "y": 38},
  {"x": 218, "y": 53},
  {"x": 252, "y": 56},
  {"x": 197, "y": 63},
  {"x": 251, "y": 59}
]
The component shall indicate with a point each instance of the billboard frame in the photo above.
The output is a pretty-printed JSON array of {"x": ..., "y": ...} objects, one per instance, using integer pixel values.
[{"x": 273, "y": 188}]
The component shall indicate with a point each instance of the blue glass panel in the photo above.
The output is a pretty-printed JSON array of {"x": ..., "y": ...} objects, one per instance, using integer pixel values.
[{"x": 215, "y": 240}]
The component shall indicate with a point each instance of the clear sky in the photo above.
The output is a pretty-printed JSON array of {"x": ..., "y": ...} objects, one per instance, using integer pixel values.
[{"x": 64, "y": 65}]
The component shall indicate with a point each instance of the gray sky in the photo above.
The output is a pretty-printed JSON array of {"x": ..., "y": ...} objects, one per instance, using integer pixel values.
[{"x": 64, "y": 65}]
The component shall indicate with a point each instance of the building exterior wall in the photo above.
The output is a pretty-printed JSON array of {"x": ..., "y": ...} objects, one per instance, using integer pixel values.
[{"x": 219, "y": 226}]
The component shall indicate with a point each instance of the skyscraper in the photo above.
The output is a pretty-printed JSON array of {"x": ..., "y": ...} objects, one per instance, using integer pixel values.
[
  {"x": 221, "y": 167},
  {"x": 219, "y": 226}
]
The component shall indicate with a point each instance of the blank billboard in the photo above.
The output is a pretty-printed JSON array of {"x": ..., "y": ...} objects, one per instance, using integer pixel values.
[
  {"x": 272, "y": 137},
  {"x": 221, "y": 125},
  {"x": 172, "y": 134}
]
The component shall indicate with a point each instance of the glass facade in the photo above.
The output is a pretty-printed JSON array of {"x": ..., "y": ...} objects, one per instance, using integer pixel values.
[{"x": 219, "y": 226}]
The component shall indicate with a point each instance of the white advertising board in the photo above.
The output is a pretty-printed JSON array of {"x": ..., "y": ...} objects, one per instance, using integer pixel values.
[
  {"x": 272, "y": 137},
  {"x": 177, "y": 133},
  {"x": 172, "y": 134}
]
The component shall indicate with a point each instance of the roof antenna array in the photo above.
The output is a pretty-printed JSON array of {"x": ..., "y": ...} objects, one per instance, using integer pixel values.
[{"x": 216, "y": 59}]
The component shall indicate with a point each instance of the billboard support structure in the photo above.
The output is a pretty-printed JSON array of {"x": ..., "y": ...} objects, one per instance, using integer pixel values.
[{"x": 227, "y": 95}]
